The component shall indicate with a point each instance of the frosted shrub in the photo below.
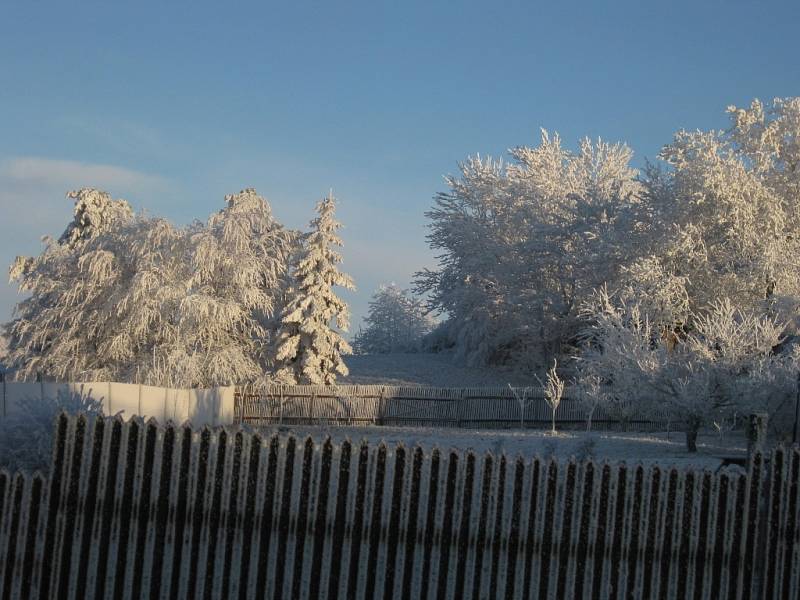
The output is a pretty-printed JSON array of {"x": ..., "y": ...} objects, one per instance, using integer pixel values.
[
  {"x": 724, "y": 363},
  {"x": 26, "y": 435}
]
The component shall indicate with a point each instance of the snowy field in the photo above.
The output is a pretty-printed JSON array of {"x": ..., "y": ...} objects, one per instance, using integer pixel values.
[
  {"x": 436, "y": 370},
  {"x": 663, "y": 448}
]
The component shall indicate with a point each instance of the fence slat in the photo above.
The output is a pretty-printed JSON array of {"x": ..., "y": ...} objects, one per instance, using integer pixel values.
[{"x": 134, "y": 509}]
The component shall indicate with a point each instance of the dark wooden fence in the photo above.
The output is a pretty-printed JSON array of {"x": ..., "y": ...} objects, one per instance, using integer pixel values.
[
  {"x": 422, "y": 406},
  {"x": 136, "y": 510}
]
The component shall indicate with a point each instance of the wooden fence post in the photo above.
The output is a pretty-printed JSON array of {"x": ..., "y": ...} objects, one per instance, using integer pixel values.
[
  {"x": 756, "y": 433},
  {"x": 795, "y": 432}
]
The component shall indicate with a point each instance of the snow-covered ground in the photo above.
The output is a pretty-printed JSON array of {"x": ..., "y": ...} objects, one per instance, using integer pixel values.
[
  {"x": 437, "y": 370},
  {"x": 664, "y": 448}
]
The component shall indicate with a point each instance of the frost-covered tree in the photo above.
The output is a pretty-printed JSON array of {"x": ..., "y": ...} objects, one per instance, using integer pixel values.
[
  {"x": 522, "y": 245},
  {"x": 309, "y": 349},
  {"x": 235, "y": 288},
  {"x": 95, "y": 212},
  {"x": 133, "y": 298},
  {"x": 726, "y": 362},
  {"x": 396, "y": 322},
  {"x": 726, "y": 212}
]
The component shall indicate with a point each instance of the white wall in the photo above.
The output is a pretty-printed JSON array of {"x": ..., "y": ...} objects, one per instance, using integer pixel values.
[{"x": 199, "y": 406}]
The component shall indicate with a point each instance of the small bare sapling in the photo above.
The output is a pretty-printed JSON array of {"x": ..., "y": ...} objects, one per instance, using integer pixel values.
[
  {"x": 553, "y": 388},
  {"x": 523, "y": 399}
]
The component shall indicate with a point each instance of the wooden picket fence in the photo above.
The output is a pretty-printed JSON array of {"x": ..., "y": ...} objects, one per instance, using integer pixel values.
[
  {"x": 487, "y": 407},
  {"x": 137, "y": 510}
]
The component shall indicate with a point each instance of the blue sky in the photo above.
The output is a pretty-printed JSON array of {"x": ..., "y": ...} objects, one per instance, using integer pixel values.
[{"x": 173, "y": 105}]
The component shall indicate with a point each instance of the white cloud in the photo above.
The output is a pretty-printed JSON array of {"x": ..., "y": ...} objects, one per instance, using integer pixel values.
[
  {"x": 54, "y": 173},
  {"x": 33, "y": 203}
]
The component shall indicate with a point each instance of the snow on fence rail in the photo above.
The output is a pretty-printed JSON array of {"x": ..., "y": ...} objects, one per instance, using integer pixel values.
[
  {"x": 138, "y": 510},
  {"x": 420, "y": 406}
]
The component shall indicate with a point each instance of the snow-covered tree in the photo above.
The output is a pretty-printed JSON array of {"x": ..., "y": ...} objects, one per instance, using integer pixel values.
[
  {"x": 95, "y": 212},
  {"x": 726, "y": 362},
  {"x": 522, "y": 245},
  {"x": 396, "y": 322},
  {"x": 133, "y": 298},
  {"x": 726, "y": 212},
  {"x": 309, "y": 349},
  {"x": 235, "y": 288}
]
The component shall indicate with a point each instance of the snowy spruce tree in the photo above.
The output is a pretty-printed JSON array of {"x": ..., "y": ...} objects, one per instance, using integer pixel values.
[{"x": 309, "y": 349}]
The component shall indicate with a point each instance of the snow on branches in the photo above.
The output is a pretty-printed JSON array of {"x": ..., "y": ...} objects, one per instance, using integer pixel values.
[
  {"x": 309, "y": 350},
  {"x": 698, "y": 254},
  {"x": 132, "y": 298},
  {"x": 724, "y": 363},
  {"x": 522, "y": 245}
]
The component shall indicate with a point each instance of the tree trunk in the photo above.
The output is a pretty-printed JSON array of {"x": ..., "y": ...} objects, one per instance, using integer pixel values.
[{"x": 691, "y": 436}]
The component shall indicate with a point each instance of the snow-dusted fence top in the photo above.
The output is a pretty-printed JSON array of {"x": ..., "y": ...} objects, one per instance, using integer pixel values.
[
  {"x": 422, "y": 406},
  {"x": 213, "y": 406},
  {"x": 135, "y": 510}
]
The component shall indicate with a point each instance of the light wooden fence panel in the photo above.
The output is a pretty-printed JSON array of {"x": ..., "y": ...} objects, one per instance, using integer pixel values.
[{"x": 211, "y": 407}]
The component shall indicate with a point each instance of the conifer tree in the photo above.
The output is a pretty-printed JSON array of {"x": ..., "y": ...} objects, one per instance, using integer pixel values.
[{"x": 309, "y": 349}]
